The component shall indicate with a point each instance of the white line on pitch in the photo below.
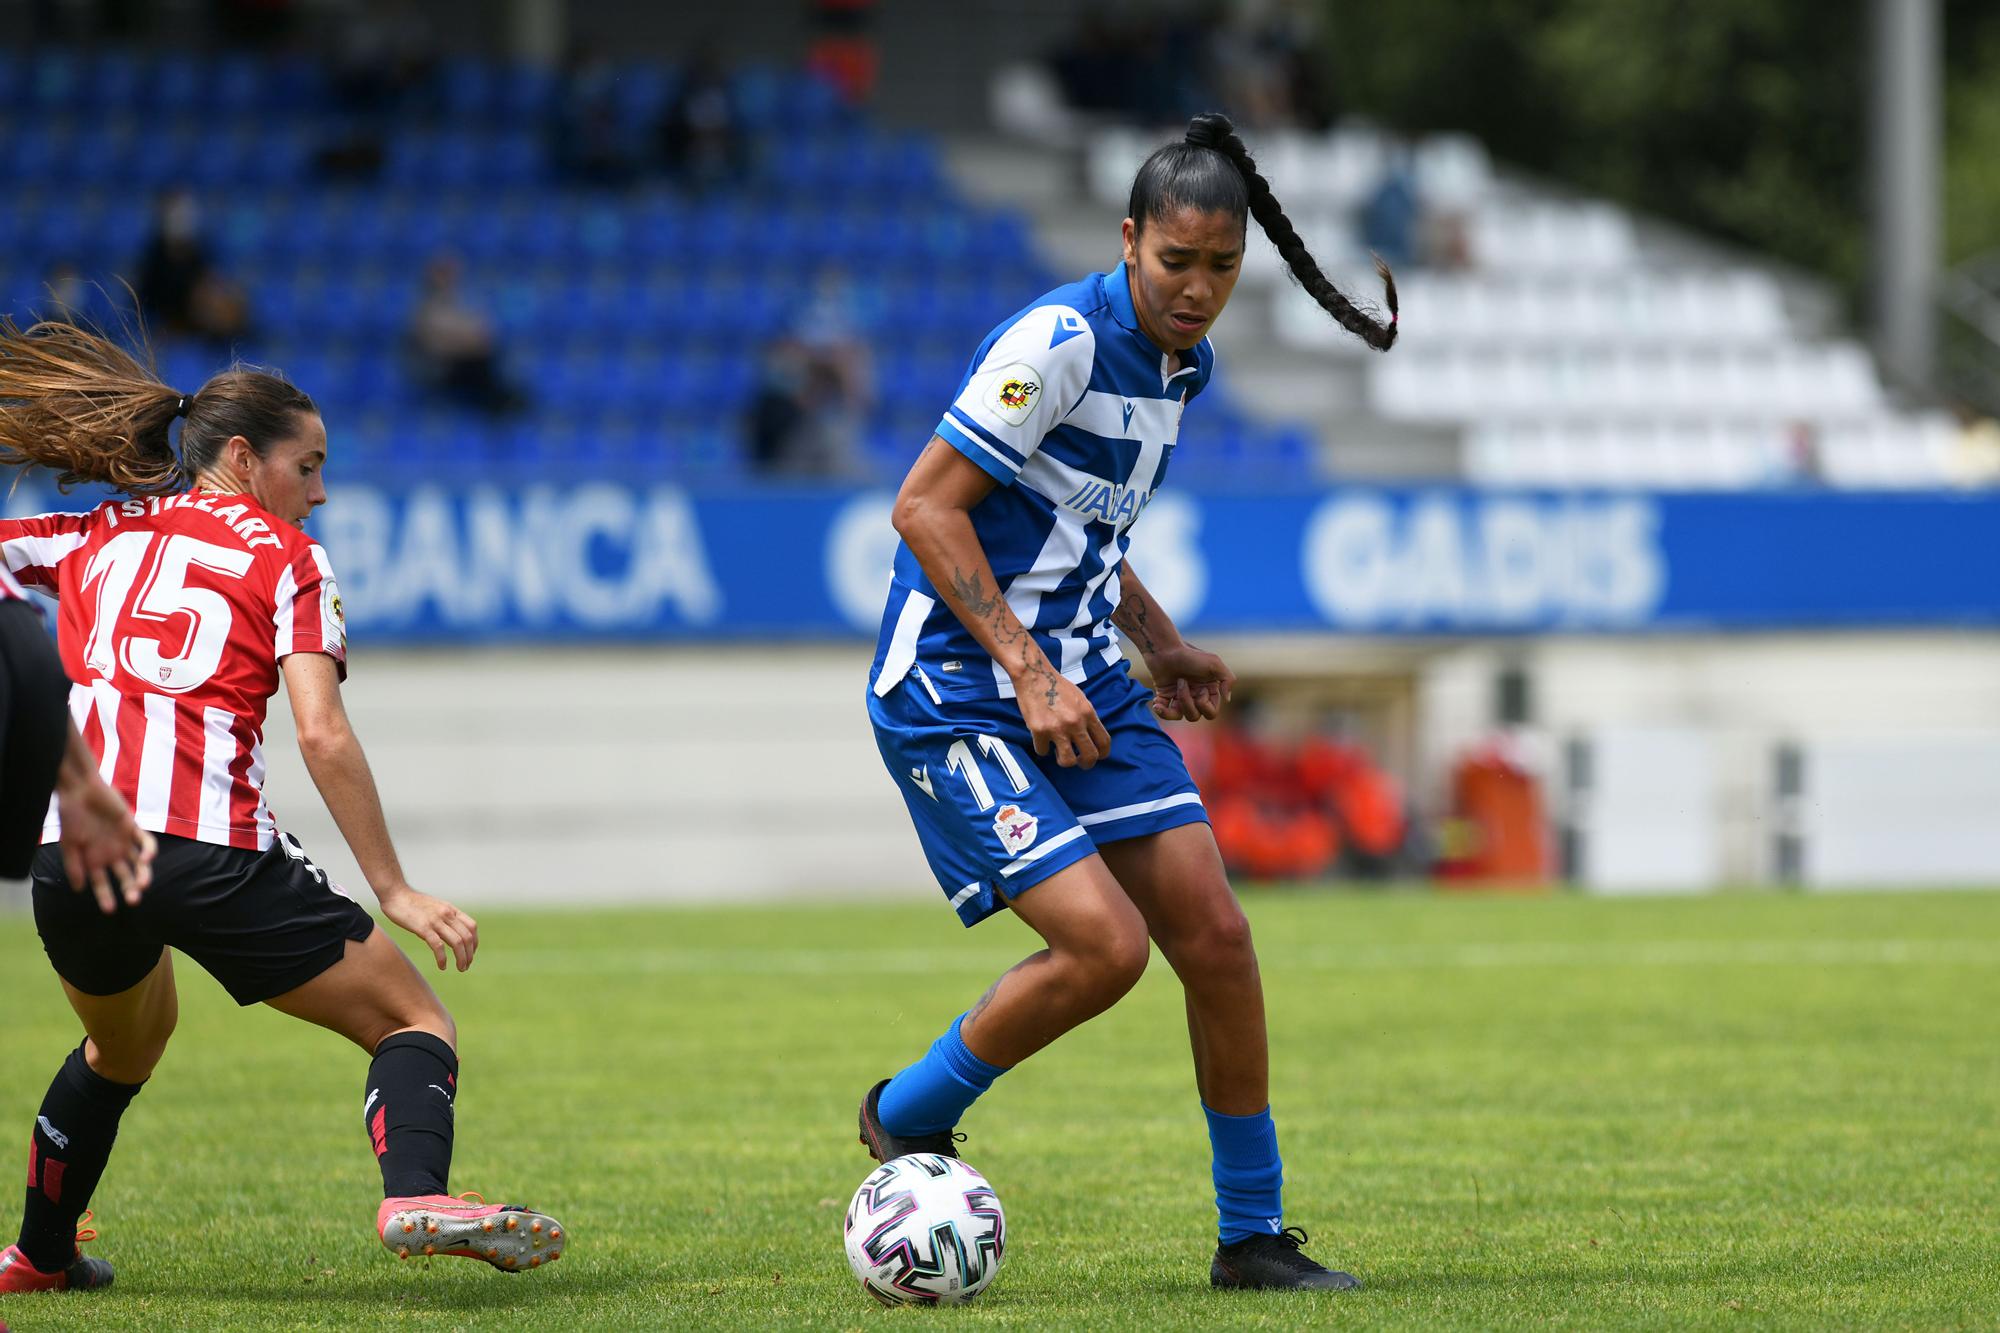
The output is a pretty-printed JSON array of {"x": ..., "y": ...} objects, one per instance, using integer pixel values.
[{"x": 1523, "y": 953}]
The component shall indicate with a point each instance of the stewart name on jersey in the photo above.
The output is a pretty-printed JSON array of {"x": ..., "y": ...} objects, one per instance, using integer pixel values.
[
  {"x": 1075, "y": 413},
  {"x": 175, "y": 613}
]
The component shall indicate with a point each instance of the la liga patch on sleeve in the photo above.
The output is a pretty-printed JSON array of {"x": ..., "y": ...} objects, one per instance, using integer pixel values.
[{"x": 1015, "y": 391}]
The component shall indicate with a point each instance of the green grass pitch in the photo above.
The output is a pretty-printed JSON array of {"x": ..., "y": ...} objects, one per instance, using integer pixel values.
[{"x": 1749, "y": 1111}]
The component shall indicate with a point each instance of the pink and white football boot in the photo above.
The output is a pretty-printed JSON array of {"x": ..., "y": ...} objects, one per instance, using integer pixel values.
[
  {"x": 83, "y": 1274},
  {"x": 508, "y": 1236}
]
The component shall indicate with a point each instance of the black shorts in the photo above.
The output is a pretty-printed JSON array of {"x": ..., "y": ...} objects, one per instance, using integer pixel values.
[
  {"x": 34, "y": 730},
  {"x": 261, "y": 923}
]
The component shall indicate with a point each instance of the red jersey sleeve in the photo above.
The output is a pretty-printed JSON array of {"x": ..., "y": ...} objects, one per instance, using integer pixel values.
[
  {"x": 308, "y": 617},
  {"x": 31, "y": 549}
]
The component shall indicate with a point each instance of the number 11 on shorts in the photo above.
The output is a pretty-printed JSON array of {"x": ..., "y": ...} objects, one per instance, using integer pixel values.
[{"x": 960, "y": 760}]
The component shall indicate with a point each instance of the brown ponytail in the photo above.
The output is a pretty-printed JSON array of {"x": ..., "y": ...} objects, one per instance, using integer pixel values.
[
  {"x": 86, "y": 409},
  {"x": 80, "y": 405}
]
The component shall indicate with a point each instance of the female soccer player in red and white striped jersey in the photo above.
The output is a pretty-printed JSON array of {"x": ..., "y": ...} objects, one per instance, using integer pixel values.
[{"x": 181, "y": 607}]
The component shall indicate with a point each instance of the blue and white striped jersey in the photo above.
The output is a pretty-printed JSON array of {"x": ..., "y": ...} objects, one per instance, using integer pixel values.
[{"x": 1075, "y": 413}]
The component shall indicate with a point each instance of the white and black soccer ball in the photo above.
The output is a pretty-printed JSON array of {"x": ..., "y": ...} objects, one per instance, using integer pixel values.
[{"x": 925, "y": 1230}]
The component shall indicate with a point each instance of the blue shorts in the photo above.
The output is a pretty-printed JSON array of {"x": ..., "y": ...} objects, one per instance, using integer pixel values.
[{"x": 994, "y": 817}]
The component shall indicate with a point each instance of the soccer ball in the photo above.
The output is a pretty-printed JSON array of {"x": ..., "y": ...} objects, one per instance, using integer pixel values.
[{"x": 925, "y": 1230}]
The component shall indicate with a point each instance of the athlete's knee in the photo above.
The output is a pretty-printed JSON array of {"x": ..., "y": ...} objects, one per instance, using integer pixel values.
[
  {"x": 132, "y": 1051},
  {"x": 1217, "y": 947},
  {"x": 1108, "y": 962},
  {"x": 433, "y": 1019}
]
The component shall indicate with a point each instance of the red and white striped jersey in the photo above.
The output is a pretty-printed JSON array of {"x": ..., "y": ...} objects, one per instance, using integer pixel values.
[
  {"x": 175, "y": 613},
  {"x": 9, "y": 588}
]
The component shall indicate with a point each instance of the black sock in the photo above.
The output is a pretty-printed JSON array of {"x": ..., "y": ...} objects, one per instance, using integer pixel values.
[
  {"x": 66, "y": 1155},
  {"x": 410, "y": 1090}
]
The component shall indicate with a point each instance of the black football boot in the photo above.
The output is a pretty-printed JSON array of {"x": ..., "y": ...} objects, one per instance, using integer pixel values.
[
  {"x": 1274, "y": 1263},
  {"x": 885, "y": 1147}
]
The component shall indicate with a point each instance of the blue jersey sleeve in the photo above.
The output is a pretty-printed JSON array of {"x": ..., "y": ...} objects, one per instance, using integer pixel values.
[{"x": 1030, "y": 378}]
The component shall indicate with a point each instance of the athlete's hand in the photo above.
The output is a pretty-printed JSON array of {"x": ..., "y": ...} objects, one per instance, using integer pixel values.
[
  {"x": 1189, "y": 684},
  {"x": 101, "y": 842},
  {"x": 434, "y": 921},
  {"x": 1060, "y": 718}
]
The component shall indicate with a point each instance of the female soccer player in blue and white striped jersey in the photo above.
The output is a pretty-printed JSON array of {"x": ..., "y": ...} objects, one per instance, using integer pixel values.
[{"x": 1032, "y": 762}]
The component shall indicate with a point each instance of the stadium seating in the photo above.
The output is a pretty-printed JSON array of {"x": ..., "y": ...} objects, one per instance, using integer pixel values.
[
  {"x": 1564, "y": 349},
  {"x": 634, "y": 318}
]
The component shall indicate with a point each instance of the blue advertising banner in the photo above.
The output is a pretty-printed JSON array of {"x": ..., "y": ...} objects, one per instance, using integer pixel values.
[{"x": 587, "y": 559}]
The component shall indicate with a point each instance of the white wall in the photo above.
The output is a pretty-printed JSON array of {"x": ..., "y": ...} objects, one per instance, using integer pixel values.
[
  {"x": 570, "y": 775},
  {"x": 555, "y": 776},
  {"x": 1748, "y": 693},
  {"x": 1916, "y": 809}
]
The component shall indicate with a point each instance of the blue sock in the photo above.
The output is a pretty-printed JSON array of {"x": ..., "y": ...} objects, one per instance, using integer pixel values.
[
  {"x": 933, "y": 1093},
  {"x": 1248, "y": 1174}
]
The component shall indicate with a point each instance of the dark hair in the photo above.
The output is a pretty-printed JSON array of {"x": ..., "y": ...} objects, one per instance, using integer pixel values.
[
  {"x": 79, "y": 404},
  {"x": 1212, "y": 172}
]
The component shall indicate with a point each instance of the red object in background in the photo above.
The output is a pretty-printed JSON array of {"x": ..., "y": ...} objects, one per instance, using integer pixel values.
[
  {"x": 1498, "y": 804},
  {"x": 842, "y": 50},
  {"x": 1366, "y": 801},
  {"x": 1288, "y": 812}
]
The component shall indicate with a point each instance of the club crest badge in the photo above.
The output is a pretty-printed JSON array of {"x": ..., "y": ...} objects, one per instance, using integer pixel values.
[{"x": 1016, "y": 828}]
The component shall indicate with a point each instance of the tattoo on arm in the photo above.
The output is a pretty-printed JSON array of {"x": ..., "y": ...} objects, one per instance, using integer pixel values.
[
  {"x": 1009, "y": 634},
  {"x": 971, "y": 590},
  {"x": 1132, "y": 617}
]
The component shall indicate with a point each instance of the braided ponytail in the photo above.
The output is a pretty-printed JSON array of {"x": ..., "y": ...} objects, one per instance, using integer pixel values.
[{"x": 1189, "y": 174}]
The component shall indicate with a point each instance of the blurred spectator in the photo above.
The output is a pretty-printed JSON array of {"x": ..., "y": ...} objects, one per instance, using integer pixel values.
[
  {"x": 455, "y": 345},
  {"x": 842, "y": 47},
  {"x": 815, "y": 391},
  {"x": 383, "y": 59},
  {"x": 1392, "y": 217},
  {"x": 179, "y": 289},
  {"x": 384, "y": 56},
  {"x": 1151, "y": 65},
  {"x": 1264, "y": 63},
  {"x": 1802, "y": 464},
  {"x": 1091, "y": 64},
  {"x": 588, "y": 137},
  {"x": 1975, "y": 454},
  {"x": 701, "y": 133}
]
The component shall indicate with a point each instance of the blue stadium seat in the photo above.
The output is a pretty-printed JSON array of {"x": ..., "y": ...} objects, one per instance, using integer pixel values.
[
  {"x": 468, "y": 89},
  {"x": 56, "y": 80},
  {"x": 114, "y": 81},
  {"x": 15, "y": 80},
  {"x": 641, "y": 312},
  {"x": 175, "y": 83},
  {"x": 524, "y": 94},
  {"x": 238, "y": 86}
]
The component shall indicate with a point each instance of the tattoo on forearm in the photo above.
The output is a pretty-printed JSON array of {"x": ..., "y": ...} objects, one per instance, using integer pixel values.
[
  {"x": 1131, "y": 617},
  {"x": 971, "y": 590},
  {"x": 1009, "y": 634}
]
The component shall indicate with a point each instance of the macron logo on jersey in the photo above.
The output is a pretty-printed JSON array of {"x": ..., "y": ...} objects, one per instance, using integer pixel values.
[{"x": 1066, "y": 328}]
